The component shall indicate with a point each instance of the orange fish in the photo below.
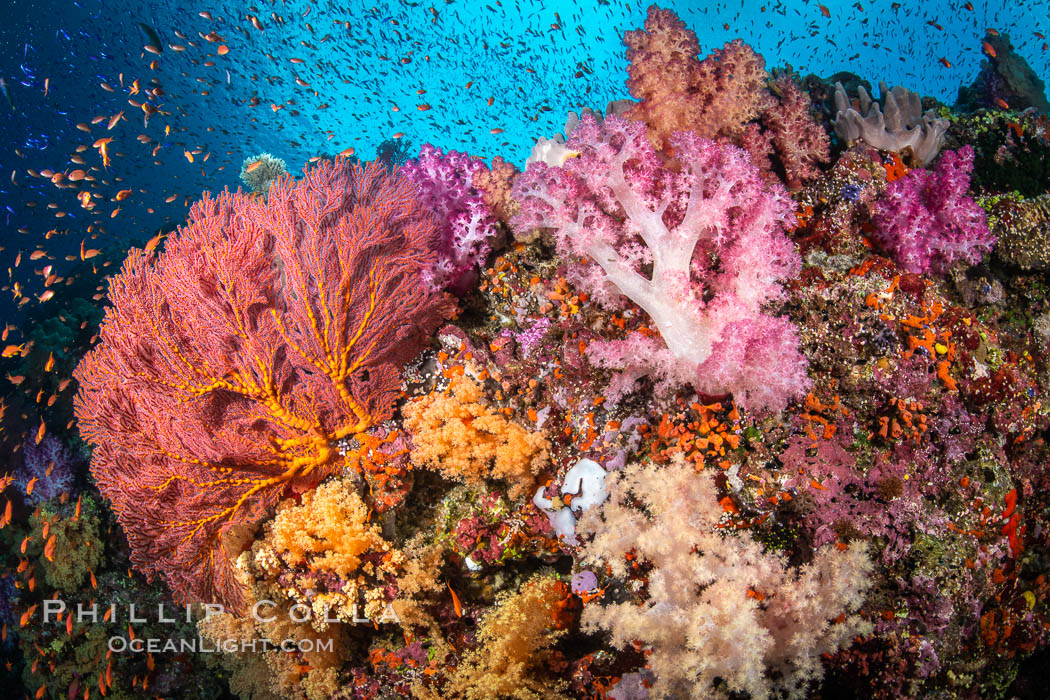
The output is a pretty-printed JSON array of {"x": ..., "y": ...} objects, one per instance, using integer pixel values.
[
  {"x": 945, "y": 63},
  {"x": 988, "y": 49},
  {"x": 824, "y": 11},
  {"x": 101, "y": 145},
  {"x": 455, "y": 601},
  {"x": 1001, "y": 103}
]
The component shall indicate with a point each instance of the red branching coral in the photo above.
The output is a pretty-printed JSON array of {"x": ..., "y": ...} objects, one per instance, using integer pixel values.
[
  {"x": 715, "y": 97},
  {"x": 253, "y": 355},
  {"x": 800, "y": 141}
]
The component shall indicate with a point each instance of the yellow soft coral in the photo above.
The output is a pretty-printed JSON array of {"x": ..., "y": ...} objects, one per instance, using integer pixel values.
[
  {"x": 513, "y": 640},
  {"x": 456, "y": 433},
  {"x": 329, "y": 530}
]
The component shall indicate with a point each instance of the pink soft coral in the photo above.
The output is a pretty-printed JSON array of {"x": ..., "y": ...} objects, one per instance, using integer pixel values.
[
  {"x": 445, "y": 185},
  {"x": 799, "y": 140},
  {"x": 714, "y": 97},
  {"x": 926, "y": 220},
  {"x": 701, "y": 249}
]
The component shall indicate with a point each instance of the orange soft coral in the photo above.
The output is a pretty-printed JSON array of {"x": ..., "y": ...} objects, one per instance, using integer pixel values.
[
  {"x": 456, "y": 433},
  {"x": 514, "y": 639},
  {"x": 329, "y": 530},
  {"x": 714, "y": 97},
  {"x": 495, "y": 184}
]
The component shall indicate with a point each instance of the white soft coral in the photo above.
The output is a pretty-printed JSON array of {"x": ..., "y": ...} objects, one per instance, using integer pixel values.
[{"x": 718, "y": 606}]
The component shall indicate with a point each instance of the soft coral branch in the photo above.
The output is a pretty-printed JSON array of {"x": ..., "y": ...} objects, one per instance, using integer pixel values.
[{"x": 700, "y": 248}]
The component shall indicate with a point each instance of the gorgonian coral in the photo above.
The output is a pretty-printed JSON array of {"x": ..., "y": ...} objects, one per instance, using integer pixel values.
[
  {"x": 700, "y": 248},
  {"x": 926, "y": 220},
  {"x": 254, "y": 354}
]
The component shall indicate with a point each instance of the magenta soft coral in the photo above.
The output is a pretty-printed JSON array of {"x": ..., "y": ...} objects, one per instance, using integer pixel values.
[
  {"x": 700, "y": 248},
  {"x": 926, "y": 221},
  {"x": 444, "y": 182}
]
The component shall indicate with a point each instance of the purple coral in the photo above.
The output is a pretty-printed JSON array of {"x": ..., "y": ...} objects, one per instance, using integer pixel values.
[
  {"x": 926, "y": 220},
  {"x": 700, "y": 248},
  {"x": 52, "y": 465},
  {"x": 444, "y": 183}
]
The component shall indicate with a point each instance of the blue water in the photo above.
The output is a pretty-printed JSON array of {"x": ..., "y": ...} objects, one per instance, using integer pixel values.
[{"x": 363, "y": 60}]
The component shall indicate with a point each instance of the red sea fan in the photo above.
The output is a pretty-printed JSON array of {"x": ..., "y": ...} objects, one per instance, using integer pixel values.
[{"x": 253, "y": 355}]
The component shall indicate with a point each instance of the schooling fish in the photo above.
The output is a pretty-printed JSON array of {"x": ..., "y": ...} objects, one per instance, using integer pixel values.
[{"x": 7, "y": 94}]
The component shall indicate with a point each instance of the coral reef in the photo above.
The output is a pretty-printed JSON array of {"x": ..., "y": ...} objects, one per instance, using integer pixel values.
[
  {"x": 1022, "y": 230},
  {"x": 514, "y": 640},
  {"x": 800, "y": 142},
  {"x": 458, "y": 435},
  {"x": 48, "y": 469},
  {"x": 713, "y": 97},
  {"x": 445, "y": 185},
  {"x": 693, "y": 406},
  {"x": 1005, "y": 80}
]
